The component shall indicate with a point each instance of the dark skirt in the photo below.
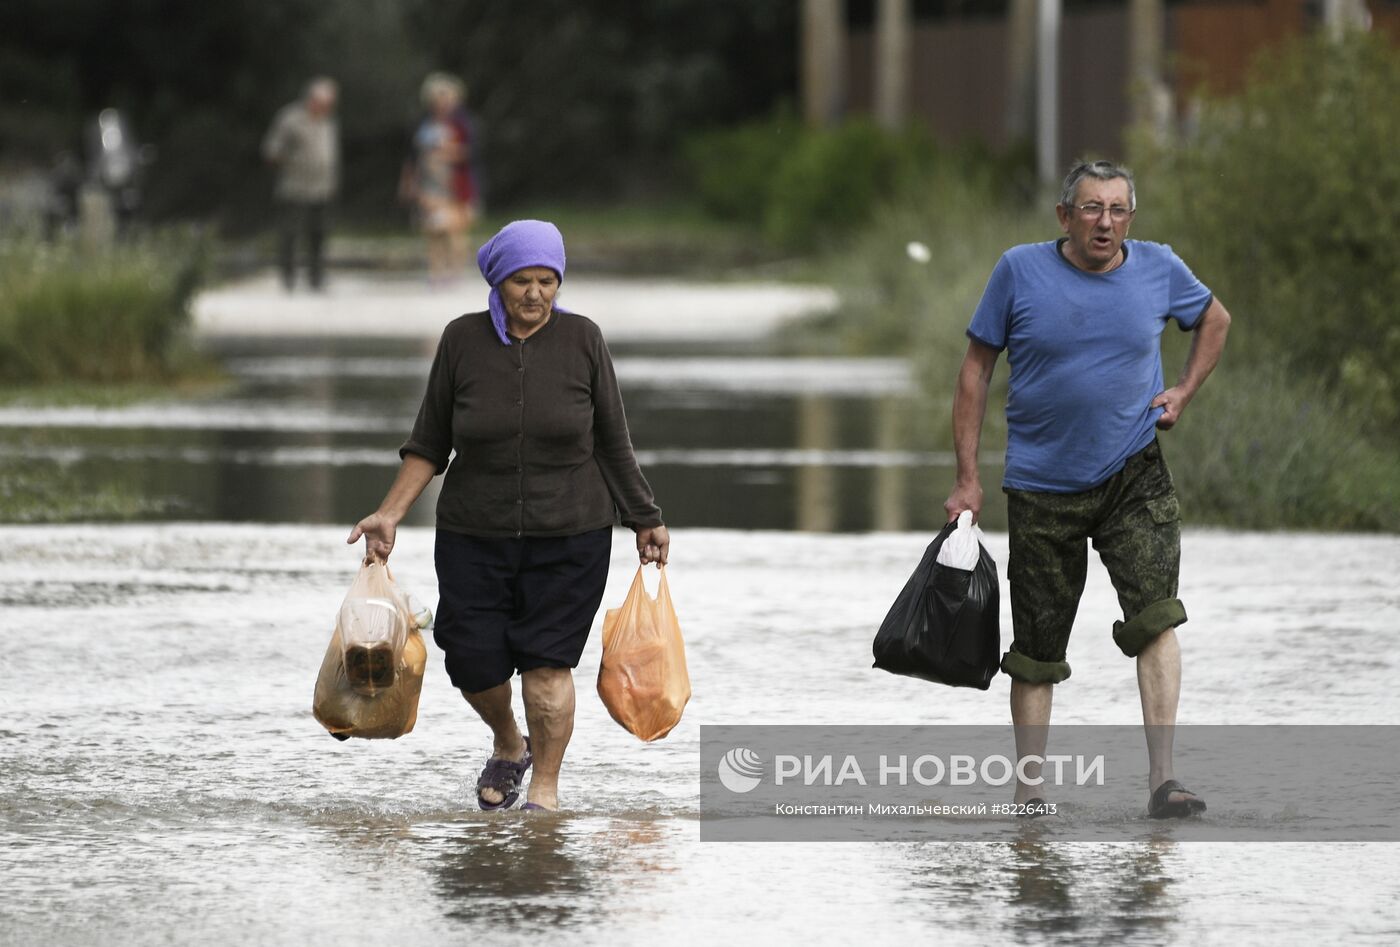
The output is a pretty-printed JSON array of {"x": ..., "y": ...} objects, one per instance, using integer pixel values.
[{"x": 515, "y": 604}]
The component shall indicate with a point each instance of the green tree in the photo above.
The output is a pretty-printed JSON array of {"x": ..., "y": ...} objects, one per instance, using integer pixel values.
[
  {"x": 592, "y": 100},
  {"x": 196, "y": 80},
  {"x": 572, "y": 100}
]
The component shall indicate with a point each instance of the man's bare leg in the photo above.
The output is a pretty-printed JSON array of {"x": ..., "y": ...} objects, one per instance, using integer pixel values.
[
  {"x": 493, "y": 706},
  {"x": 549, "y": 712},
  {"x": 1030, "y": 717},
  {"x": 1159, "y": 686}
]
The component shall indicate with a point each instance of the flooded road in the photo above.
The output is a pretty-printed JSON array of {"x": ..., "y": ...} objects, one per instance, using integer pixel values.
[
  {"x": 308, "y": 430},
  {"x": 163, "y": 779}
]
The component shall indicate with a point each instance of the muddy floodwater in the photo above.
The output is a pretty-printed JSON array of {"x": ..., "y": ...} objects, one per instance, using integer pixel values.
[{"x": 162, "y": 779}]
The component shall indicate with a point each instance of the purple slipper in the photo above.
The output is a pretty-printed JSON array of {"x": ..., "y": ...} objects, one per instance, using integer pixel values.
[
  {"x": 533, "y": 805},
  {"x": 504, "y": 776}
]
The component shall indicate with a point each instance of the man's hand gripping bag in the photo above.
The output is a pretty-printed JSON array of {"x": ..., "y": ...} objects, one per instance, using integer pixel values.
[
  {"x": 945, "y": 626},
  {"x": 642, "y": 678},
  {"x": 372, "y": 673}
]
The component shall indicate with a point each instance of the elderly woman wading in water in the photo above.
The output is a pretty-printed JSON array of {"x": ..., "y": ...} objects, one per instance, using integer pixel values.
[{"x": 526, "y": 397}]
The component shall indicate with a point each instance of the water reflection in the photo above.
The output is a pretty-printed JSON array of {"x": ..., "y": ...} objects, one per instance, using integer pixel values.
[
  {"x": 544, "y": 870},
  {"x": 1036, "y": 889},
  {"x": 1111, "y": 891},
  {"x": 891, "y": 513},
  {"x": 816, "y": 487}
]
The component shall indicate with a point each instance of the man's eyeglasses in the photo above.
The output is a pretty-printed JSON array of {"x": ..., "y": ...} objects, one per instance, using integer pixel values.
[{"x": 1094, "y": 211}]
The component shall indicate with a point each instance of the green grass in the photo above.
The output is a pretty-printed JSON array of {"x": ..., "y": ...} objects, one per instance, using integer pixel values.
[
  {"x": 111, "y": 316},
  {"x": 104, "y": 327},
  {"x": 49, "y": 494}
]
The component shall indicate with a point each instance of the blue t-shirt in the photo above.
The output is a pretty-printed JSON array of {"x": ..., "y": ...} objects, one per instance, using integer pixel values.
[{"x": 1085, "y": 355}]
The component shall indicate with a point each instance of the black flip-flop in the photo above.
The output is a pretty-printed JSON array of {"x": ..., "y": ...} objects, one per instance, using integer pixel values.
[
  {"x": 1164, "y": 807},
  {"x": 505, "y": 777}
]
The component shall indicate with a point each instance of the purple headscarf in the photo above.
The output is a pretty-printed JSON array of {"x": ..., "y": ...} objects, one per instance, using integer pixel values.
[{"x": 518, "y": 245}]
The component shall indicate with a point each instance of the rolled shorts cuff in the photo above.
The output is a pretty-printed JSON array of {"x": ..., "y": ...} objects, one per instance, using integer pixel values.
[
  {"x": 1137, "y": 633},
  {"x": 1030, "y": 671}
]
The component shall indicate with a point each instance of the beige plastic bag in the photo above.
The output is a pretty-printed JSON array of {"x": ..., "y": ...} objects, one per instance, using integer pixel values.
[
  {"x": 643, "y": 679},
  {"x": 372, "y": 673}
]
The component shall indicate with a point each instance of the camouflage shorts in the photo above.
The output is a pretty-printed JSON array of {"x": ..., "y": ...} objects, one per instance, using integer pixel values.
[{"x": 1134, "y": 522}]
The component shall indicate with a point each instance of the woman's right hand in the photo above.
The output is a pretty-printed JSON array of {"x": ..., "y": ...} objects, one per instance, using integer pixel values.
[{"x": 378, "y": 530}]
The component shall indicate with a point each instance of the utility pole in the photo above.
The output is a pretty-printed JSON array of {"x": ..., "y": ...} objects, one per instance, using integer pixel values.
[
  {"x": 1020, "y": 72},
  {"x": 1151, "y": 100},
  {"x": 823, "y": 61},
  {"x": 1338, "y": 16},
  {"x": 1047, "y": 85},
  {"x": 893, "y": 39}
]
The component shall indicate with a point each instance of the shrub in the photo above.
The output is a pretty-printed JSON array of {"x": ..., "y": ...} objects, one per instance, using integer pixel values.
[
  {"x": 112, "y": 315},
  {"x": 733, "y": 168},
  {"x": 805, "y": 187},
  {"x": 1285, "y": 203},
  {"x": 832, "y": 182},
  {"x": 1263, "y": 448}
]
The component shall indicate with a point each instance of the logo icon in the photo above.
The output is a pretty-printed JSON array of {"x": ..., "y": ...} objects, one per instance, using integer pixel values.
[{"x": 741, "y": 769}]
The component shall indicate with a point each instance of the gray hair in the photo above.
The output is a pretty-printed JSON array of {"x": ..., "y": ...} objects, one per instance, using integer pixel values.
[
  {"x": 1099, "y": 170},
  {"x": 440, "y": 82}
]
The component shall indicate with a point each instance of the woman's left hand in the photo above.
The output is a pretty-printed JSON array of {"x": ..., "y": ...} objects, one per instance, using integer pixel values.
[{"x": 653, "y": 545}]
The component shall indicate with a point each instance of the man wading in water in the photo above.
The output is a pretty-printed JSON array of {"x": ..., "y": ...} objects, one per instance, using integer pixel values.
[{"x": 1081, "y": 320}]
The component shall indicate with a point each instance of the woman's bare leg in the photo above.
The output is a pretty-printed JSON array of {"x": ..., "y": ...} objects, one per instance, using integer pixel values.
[
  {"x": 493, "y": 706},
  {"x": 549, "y": 713}
]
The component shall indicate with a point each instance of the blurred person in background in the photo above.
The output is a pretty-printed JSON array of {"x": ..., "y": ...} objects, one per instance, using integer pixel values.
[
  {"x": 65, "y": 181},
  {"x": 438, "y": 178},
  {"x": 303, "y": 145},
  {"x": 115, "y": 165}
]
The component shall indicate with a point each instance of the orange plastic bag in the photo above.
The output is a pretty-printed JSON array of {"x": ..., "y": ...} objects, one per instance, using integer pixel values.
[
  {"x": 643, "y": 679},
  {"x": 372, "y": 673}
]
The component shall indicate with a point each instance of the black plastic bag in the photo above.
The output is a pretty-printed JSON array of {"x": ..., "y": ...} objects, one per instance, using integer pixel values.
[{"x": 945, "y": 626}]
